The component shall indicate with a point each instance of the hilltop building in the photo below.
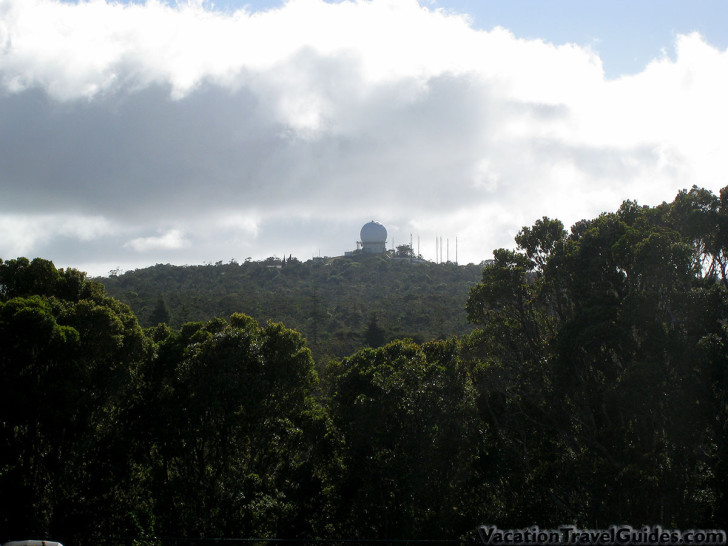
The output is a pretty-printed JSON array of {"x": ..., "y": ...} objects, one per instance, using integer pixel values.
[{"x": 373, "y": 238}]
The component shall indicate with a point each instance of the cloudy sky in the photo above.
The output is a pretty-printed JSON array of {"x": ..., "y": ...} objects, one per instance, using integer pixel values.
[{"x": 143, "y": 132}]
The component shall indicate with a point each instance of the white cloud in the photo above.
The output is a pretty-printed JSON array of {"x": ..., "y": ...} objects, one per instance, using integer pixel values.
[
  {"x": 24, "y": 232},
  {"x": 285, "y": 130},
  {"x": 172, "y": 239}
]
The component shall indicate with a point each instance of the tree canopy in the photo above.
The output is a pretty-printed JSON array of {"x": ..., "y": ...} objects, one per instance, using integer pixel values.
[{"x": 330, "y": 302}]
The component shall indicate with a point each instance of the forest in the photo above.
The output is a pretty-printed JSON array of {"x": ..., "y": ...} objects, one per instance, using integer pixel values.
[
  {"x": 338, "y": 304},
  {"x": 589, "y": 390}
]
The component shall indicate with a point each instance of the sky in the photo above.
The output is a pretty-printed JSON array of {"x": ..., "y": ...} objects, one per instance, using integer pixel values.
[{"x": 188, "y": 132}]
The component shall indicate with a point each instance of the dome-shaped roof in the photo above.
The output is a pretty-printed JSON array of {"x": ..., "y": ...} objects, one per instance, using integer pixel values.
[{"x": 373, "y": 232}]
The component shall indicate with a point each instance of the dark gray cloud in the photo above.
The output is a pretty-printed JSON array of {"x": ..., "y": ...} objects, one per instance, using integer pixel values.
[{"x": 129, "y": 156}]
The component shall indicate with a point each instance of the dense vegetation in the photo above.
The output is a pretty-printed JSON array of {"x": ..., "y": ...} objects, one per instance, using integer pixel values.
[
  {"x": 334, "y": 302},
  {"x": 592, "y": 391}
]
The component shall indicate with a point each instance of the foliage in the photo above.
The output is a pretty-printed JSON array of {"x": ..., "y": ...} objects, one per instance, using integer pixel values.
[
  {"x": 407, "y": 418},
  {"x": 232, "y": 428},
  {"x": 374, "y": 336},
  {"x": 597, "y": 362},
  {"x": 329, "y": 302},
  {"x": 160, "y": 314},
  {"x": 69, "y": 362}
]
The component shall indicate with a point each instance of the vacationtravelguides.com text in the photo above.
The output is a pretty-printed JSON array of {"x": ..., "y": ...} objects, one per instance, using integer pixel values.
[{"x": 615, "y": 534}]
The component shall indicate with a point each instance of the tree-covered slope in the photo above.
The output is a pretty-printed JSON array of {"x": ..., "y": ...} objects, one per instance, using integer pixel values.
[{"x": 334, "y": 303}]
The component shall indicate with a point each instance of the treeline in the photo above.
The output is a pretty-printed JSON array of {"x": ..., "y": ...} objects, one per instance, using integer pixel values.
[
  {"x": 335, "y": 302},
  {"x": 592, "y": 391}
]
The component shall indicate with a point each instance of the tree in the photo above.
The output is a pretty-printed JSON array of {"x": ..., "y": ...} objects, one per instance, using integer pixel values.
[
  {"x": 541, "y": 240},
  {"x": 231, "y": 442},
  {"x": 407, "y": 419},
  {"x": 405, "y": 251},
  {"x": 596, "y": 362},
  {"x": 374, "y": 336},
  {"x": 160, "y": 314},
  {"x": 69, "y": 361}
]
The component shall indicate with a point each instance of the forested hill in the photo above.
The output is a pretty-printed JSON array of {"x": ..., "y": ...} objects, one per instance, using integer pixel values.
[{"x": 339, "y": 305}]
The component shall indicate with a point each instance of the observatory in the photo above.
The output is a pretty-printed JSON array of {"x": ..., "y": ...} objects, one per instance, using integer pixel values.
[{"x": 373, "y": 238}]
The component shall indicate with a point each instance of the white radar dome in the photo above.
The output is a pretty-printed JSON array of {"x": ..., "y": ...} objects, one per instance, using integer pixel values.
[{"x": 373, "y": 232}]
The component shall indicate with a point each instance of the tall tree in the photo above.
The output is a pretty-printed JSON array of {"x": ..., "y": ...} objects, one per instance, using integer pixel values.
[
  {"x": 231, "y": 440},
  {"x": 160, "y": 313},
  {"x": 596, "y": 358},
  {"x": 69, "y": 360},
  {"x": 374, "y": 335},
  {"x": 407, "y": 418}
]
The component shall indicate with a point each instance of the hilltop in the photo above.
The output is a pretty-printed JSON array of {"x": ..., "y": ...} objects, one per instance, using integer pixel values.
[{"x": 338, "y": 304}]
